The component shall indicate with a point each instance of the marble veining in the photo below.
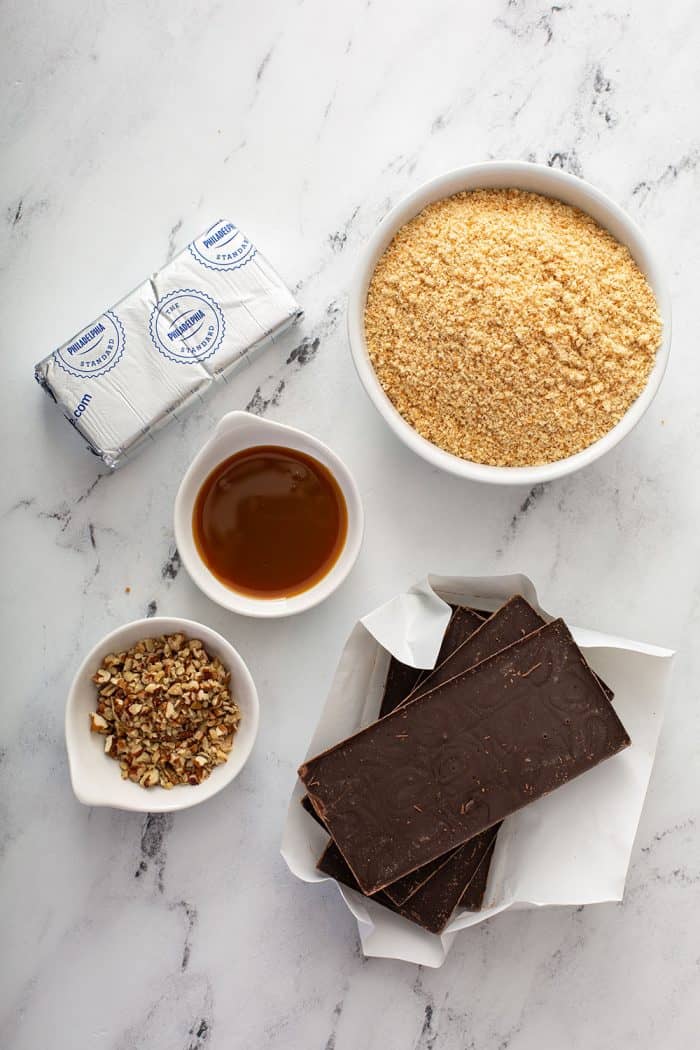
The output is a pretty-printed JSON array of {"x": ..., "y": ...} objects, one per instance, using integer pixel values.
[{"x": 126, "y": 130}]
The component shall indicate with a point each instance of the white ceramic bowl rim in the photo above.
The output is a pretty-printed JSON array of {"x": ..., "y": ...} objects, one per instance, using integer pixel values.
[
  {"x": 538, "y": 179},
  {"x": 96, "y": 779},
  {"x": 235, "y": 432}
]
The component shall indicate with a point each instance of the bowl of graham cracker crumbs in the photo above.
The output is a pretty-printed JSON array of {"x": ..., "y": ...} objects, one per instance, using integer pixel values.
[{"x": 509, "y": 322}]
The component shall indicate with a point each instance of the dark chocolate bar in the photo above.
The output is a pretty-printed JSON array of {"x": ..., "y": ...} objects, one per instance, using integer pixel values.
[
  {"x": 451, "y": 870},
  {"x": 510, "y": 622},
  {"x": 308, "y": 805},
  {"x": 332, "y": 863},
  {"x": 461, "y": 627},
  {"x": 513, "y": 620},
  {"x": 433, "y": 905},
  {"x": 399, "y": 681},
  {"x": 506, "y": 625},
  {"x": 463, "y": 624},
  {"x": 473, "y": 897},
  {"x": 419, "y": 878},
  {"x": 400, "y": 891},
  {"x": 455, "y": 761},
  {"x": 401, "y": 678}
]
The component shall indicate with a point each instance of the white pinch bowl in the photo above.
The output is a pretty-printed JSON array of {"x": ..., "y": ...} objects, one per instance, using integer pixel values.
[
  {"x": 97, "y": 780},
  {"x": 550, "y": 183},
  {"x": 234, "y": 433}
]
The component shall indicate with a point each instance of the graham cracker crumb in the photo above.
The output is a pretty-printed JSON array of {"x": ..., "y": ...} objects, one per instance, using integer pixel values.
[{"x": 509, "y": 328}]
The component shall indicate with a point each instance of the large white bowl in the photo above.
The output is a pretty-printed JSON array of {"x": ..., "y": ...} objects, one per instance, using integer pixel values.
[
  {"x": 96, "y": 778},
  {"x": 233, "y": 433},
  {"x": 551, "y": 183}
]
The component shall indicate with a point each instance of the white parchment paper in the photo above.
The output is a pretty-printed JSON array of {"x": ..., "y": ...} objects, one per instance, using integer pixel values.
[{"x": 573, "y": 846}]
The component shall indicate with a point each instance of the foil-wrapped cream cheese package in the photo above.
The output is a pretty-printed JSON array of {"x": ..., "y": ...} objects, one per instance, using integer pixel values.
[{"x": 145, "y": 360}]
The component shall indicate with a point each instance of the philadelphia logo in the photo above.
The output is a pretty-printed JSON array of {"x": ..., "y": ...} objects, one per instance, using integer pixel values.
[
  {"x": 187, "y": 326},
  {"x": 95, "y": 350},
  {"x": 222, "y": 247}
]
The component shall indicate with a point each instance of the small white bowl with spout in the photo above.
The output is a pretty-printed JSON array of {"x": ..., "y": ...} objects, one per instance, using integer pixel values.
[
  {"x": 96, "y": 778},
  {"x": 234, "y": 433}
]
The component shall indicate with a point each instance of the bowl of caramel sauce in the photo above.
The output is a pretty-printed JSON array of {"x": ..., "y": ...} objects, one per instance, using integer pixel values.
[{"x": 268, "y": 520}]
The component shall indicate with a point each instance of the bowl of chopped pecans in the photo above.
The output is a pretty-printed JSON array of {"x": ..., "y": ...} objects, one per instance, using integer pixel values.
[
  {"x": 161, "y": 715},
  {"x": 509, "y": 322}
]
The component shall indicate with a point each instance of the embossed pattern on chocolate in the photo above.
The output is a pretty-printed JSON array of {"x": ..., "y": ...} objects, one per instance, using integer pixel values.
[{"x": 455, "y": 761}]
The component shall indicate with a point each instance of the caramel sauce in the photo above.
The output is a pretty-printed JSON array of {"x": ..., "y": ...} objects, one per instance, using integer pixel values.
[{"x": 270, "y": 521}]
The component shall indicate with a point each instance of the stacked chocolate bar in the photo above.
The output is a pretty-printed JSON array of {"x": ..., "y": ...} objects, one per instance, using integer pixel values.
[{"x": 414, "y": 801}]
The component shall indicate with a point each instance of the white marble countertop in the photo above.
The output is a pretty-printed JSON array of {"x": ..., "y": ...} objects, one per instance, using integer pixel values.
[{"x": 127, "y": 129}]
